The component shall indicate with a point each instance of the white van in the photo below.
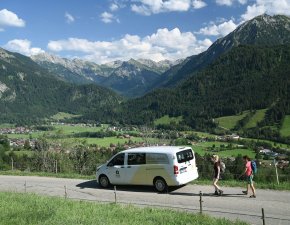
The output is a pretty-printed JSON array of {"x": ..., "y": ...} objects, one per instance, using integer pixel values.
[{"x": 160, "y": 166}]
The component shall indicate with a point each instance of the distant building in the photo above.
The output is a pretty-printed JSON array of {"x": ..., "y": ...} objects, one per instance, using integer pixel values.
[{"x": 265, "y": 151}]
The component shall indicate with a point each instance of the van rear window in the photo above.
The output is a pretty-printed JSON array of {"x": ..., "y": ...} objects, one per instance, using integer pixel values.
[{"x": 184, "y": 156}]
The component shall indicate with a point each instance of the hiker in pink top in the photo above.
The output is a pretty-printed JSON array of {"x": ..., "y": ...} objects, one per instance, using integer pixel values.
[{"x": 249, "y": 176}]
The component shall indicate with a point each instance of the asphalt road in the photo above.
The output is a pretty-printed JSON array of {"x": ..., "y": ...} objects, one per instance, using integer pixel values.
[{"x": 232, "y": 205}]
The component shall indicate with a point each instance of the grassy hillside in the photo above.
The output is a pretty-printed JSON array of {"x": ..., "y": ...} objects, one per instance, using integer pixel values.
[
  {"x": 63, "y": 116},
  {"x": 167, "y": 120},
  {"x": 256, "y": 118},
  {"x": 285, "y": 130},
  {"x": 31, "y": 209},
  {"x": 229, "y": 122},
  {"x": 245, "y": 78}
]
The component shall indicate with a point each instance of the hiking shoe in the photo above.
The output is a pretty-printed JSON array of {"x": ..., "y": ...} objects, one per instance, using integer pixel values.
[
  {"x": 253, "y": 196},
  {"x": 221, "y": 193},
  {"x": 216, "y": 193},
  {"x": 245, "y": 192}
]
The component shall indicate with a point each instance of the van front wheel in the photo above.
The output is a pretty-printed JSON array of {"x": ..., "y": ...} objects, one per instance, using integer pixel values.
[
  {"x": 160, "y": 184},
  {"x": 104, "y": 181}
]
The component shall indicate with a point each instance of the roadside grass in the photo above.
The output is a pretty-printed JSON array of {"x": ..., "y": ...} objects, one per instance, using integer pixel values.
[
  {"x": 167, "y": 120},
  {"x": 44, "y": 174},
  {"x": 285, "y": 130},
  {"x": 256, "y": 118},
  {"x": 32, "y": 209},
  {"x": 229, "y": 122}
]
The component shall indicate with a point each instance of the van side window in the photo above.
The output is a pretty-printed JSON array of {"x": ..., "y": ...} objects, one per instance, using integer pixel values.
[
  {"x": 184, "y": 156},
  {"x": 136, "y": 158},
  {"x": 156, "y": 158},
  {"x": 118, "y": 160}
]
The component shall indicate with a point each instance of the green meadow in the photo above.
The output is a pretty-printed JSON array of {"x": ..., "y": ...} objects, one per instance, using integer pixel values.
[
  {"x": 165, "y": 120},
  {"x": 229, "y": 122},
  {"x": 222, "y": 149},
  {"x": 285, "y": 130},
  {"x": 256, "y": 118},
  {"x": 22, "y": 209},
  {"x": 63, "y": 116}
]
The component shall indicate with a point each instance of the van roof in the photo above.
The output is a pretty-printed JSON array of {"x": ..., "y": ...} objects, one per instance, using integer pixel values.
[{"x": 158, "y": 149}]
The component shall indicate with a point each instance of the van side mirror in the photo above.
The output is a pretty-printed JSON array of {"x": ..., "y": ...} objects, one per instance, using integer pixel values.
[{"x": 110, "y": 164}]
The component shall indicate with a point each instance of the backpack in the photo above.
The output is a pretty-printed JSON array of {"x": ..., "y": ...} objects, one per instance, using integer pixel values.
[
  {"x": 222, "y": 166},
  {"x": 254, "y": 166}
]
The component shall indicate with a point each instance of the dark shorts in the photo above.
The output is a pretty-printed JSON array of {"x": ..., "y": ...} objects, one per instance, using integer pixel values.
[
  {"x": 249, "y": 179},
  {"x": 216, "y": 176}
]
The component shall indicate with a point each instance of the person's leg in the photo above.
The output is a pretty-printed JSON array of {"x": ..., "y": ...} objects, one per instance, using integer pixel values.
[
  {"x": 217, "y": 188},
  {"x": 252, "y": 187},
  {"x": 215, "y": 180},
  {"x": 248, "y": 186}
]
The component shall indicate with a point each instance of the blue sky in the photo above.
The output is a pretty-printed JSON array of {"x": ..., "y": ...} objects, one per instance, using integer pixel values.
[{"x": 108, "y": 30}]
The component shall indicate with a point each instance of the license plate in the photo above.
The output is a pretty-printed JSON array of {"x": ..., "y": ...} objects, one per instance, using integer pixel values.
[{"x": 183, "y": 170}]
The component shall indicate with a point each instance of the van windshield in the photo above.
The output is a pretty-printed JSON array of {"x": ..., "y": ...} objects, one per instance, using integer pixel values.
[
  {"x": 118, "y": 160},
  {"x": 184, "y": 156}
]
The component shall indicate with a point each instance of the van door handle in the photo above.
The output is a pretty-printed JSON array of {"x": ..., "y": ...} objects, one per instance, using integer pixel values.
[
  {"x": 122, "y": 167},
  {"x": 128, "y": 166}
]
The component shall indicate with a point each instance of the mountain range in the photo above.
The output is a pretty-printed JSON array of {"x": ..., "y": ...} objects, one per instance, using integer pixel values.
[
  {"x": 246, "y": 70},
  {"x": 263, "y": 30},
  {"x": 29, "y": 92},
  {"x": 130, "y": 78}
]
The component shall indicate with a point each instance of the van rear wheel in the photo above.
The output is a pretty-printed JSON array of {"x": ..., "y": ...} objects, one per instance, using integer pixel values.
[
  {"x": 160, "y": 184},
  {"x": 104, "y": 181}
]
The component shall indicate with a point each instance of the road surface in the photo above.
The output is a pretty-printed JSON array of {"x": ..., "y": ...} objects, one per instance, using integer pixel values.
[{"x": 232, "y": 205}]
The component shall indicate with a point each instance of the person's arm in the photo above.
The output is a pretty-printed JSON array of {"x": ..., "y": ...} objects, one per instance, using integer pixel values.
[{"x": 244, "y": 172}]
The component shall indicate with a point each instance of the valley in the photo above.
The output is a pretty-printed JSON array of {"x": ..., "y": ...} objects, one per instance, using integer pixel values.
[
  {"x": 88, "y": 89},
  {"x": 231, "y": 100}
]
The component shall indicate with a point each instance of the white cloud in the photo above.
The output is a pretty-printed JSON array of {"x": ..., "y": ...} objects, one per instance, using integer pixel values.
[
  {"x": 114, "y": 7},
  {"x": 267, "y": 6},
  {"x": 218, "y": 30},
  {"x": 164, "y": 44},
  {"x": 8, "y": 18},
  {"x": 198, "y": 4},
  {"x": 148, "y": 7},
  {"x": 22, "y": 46},
  {"x": 107, "y": 17},
  {"x": 69, "y": 18},
  {"x": 230, "y": 2}
]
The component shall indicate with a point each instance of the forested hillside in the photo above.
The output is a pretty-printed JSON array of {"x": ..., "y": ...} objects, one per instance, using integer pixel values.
[
  {"x": 263, "y": 30},
  {"x": 29, "y": 93},
  {"x": 246, "y": 78}
]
